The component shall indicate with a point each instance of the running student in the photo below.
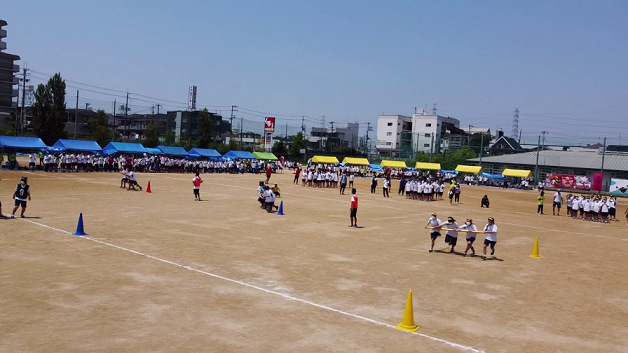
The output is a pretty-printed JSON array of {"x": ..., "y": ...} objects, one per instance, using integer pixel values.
[
  {"x": 343, "y": 184},
  {"x": 354, "y": 209},
  {"x": 451, "y": 237},
  {"x": 124, "y": 180},
  {"x": 132, "y": 180},
  {"x": 471, "y": 236},
  {"x": 261, "y": 198},
  {"x": 276, "y": 190},
  {"x": 197, "y": 181},
  {"x": 491, "y": 236},
  {"x": 435, "y": 225},
  {"x": 21, "y": 195}
]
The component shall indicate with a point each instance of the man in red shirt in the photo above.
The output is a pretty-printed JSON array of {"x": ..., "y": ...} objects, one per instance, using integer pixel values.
[
  {"x": 269, "y": 171},
  {"x": 354, "y": 209},
  {"x": 296, "y": 176}
]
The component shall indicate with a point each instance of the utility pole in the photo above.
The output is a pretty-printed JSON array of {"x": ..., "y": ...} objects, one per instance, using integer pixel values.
[
  {"x": 543, "y": 145},
  {"x": 481, "y": 147},
  {"x": 76, "y": 114},
  {"x": 241, "y": 132},
  {"x": 603, "y": 155},
  {"x": 113, "y": 135},
  {"x": 286, "y": 132},
  {"x": 87, "y": 106},
  {"x": 519, "y": 142},
  {"x": 303, "y": 125},
  {"x": 536, "y": 167},
  {"x": 23, "y": 113},
  {"x": 431, "y": 146},
  {"x": 469, "y": 139},
  {"x": 126, "y": 115},
  {"x": 231, "y": 119},
  {"x": 368, "y": 139}
]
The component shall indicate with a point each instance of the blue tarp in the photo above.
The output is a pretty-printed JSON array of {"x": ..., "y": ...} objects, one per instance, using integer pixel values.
[
  {"x": 449, "y": 172},
  {"x": 56, "y": 150},
  {"x": 121, "y": 147},
  {"x": 377, "y": 168},
  {"x": 154, "y": 151},
  {"x": 238, "y": 155},
  {"x": 493, "y": 176},
  {"x": 205, "y": 153},
  {"x": 75, "y": 145},
  {"x": 173, "y": 151},
  {"x": 23, "y": 143}
]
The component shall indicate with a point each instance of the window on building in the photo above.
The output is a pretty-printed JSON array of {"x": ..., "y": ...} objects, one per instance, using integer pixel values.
[
  {"x": 428, "y": 125},
  {"x": 428, "y": 135},
  {"x": 426, "y": 145},
  {"x": 398, "y": 134},
  {"x": 389, "y": 134},
  {"x": 389, "y": 124}
]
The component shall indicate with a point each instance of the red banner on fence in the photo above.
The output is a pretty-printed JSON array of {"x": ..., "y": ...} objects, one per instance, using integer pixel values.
[{"x": 598, "y": 182}]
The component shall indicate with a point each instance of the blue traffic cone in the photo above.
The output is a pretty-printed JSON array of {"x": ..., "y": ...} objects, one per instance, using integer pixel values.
[
  {"x": 280, "y": 213},
  {"x": 79, "y": 229}
]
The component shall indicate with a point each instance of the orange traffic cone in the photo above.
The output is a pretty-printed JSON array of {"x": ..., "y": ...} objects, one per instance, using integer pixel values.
[
  {"x": 148, "y": 190},
  {"x": 407, "y": 324}
]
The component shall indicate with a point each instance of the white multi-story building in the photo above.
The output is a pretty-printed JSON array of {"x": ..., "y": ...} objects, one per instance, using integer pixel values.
[
  {"x": 402, "y": 136},
  {"x": 428, "y": 131},
  {"x": 389, "y": 131}
]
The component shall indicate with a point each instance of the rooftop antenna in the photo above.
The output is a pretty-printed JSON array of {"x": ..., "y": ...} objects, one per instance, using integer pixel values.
[{"x": 434, "y": 110}]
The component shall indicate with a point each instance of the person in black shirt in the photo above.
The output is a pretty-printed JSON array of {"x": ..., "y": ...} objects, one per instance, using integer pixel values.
[{"x": 21, "y": 194}]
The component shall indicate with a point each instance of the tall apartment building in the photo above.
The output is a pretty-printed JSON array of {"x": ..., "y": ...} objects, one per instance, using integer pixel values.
[
  {"x": 403, "y": 136},
  {"x": 329, "y": 139},
  {"x": 8, "y": 81},
  {"x": 184, "y": 124}
]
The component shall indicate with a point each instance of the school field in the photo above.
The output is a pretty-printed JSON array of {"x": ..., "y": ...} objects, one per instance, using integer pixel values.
[{"x": 162, "y": 273}]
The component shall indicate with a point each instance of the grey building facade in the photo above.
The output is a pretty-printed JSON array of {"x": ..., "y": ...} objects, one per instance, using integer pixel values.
[{"x": 8, "y": 80}]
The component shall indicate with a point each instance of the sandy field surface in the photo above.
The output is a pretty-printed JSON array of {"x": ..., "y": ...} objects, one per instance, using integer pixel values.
[{"x": 162, "y": 273}]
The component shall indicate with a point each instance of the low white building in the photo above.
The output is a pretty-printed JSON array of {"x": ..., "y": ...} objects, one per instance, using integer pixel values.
[{"x": 389, "y": 130}]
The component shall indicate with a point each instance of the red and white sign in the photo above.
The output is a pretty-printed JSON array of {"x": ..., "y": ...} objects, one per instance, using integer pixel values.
[{"x": 269, "y": 125}]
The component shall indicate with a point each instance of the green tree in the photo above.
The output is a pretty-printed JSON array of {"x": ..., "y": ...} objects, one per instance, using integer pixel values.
[
  {"x": 169, "y": 138},
  {"x": 279, "y": 149},
  {"x": 298, "y": 143},
  {"x": 205, "y": 129},
  {"x": 49, "y": 113},
  {"x": 151, "y": 137},
  {"x": 98, "y": 128},
  {"x": 476, "y": 141},
  {"x": 222, "y": 148}
]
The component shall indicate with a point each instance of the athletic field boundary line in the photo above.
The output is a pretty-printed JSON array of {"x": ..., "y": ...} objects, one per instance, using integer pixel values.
[{"x": 268, "y": 291}]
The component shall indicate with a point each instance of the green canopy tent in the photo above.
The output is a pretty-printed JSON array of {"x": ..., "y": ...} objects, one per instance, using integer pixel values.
[{"x": 264, "y": 156}]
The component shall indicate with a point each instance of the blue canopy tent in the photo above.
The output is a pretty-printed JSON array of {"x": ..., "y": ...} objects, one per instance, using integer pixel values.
[
  {"x": 238, "y": 155},
  {"x": 154, "y": 151},
  {"x": 55, "y": 150},
  {"x": 444, "y": 172},
  {"x": 23, "y": 143},
  {"x": 121, "y": 147},
  {"x": 377, "y": 168},
  {"x": 493, "y": 176},
  {"x": 76, "y": 145},
  {"x": 204, "y": 153},
  {"x": 173, "y": 151}
]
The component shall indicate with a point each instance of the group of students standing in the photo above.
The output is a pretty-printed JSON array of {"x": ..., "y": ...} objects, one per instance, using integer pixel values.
[{"x": 594, "y": 208}]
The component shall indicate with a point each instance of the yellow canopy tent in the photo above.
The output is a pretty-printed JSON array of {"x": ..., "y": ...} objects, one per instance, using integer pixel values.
[
  {"x": 471, "y": 169},
  {"x": 325, "y": 160},
  {"x": 394, "y": 164},
  {"x": 517, "y": 173},
  {"x": 356, "y": 161},
  {"x": 427, "y": 166}
]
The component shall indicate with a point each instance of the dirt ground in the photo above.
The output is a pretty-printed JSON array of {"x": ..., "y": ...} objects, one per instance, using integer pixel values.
[{"x": 162, "y": 273}]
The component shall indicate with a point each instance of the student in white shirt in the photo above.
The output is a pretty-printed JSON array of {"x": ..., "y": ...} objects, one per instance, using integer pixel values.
[
  {"x": 491, "y": 236},
  {"x": 558, "y": 203},
  {"x": 435, "y": 225},
  {"x": 612, "y": 208},
  {"x": 575, "y": 206},
  {"x": 470, "y": 227},
  {"x": 451, "y": 237}
]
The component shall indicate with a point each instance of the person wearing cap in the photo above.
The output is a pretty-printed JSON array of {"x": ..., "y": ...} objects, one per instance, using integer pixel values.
[
  {"x": 451, "y": 237},
  {"x": 491, "y": 236},
  {"x": 471, "y": 236},
  {"x": 435, "y": 224},
  {"x": 21, "y": 195}
]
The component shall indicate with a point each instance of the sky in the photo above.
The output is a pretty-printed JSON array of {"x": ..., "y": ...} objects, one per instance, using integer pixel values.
[{"x": 561, "y": 63}]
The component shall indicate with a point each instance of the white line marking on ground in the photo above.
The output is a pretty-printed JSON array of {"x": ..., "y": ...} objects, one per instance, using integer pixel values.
[{"x": 285, "y": 296}]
